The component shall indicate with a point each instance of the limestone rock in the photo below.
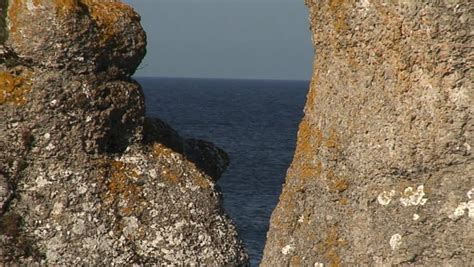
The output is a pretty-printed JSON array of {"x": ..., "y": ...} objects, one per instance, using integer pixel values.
[
  {"x": 383, "y": 173},
  {"x": 85, "y": 178}
]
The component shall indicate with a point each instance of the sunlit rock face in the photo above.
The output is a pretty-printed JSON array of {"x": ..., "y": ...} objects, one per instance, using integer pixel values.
[
  {"x": 383, "y": 173},
  {"x": 85, "y": 178}
]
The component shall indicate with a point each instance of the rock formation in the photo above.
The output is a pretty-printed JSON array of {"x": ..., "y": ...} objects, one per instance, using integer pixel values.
[
  {"x": 85, "y": 178},
  {"x": 384, "y": 172}
]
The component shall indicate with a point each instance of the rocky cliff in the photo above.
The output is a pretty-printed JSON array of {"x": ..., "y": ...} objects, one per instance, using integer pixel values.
[
  {"x": 384, "y": 172},
  {"x": 85, "y": 178}
]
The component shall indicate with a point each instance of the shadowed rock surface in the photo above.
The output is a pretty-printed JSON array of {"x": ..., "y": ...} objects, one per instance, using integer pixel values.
[
  {"x": 383, "y": 172},
  {"x": 85, "y": 178}
]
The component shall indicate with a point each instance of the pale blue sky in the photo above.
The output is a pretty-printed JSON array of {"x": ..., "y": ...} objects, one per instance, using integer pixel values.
[{"x": 263, "y": 39}]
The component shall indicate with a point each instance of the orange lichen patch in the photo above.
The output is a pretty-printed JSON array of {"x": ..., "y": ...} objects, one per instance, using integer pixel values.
[
  {"x": 295, "y": 261},
  {"x": 201, "y": 182},
  {"x": 121, "y": 186},
  {"x": 336, "y": 184},
  {"x": 352, "y": 58},
  {"x": 341, "y": 185},
  {"x": 161, "y": 150},
  {"x": 330, "y": 246},
  {"x": 344, "y": 201},
  {"x": 13, "y": 10},
  {"x": 172, "y": 175},
  {"x": 308, "y": 170},
  {"x": 66, "y": 7},
  {"x": 106, "y": 13},
  {"x": 339, "y": 9},
  {"x": 13, "y": 88},
  {"x": 332, "y": 141},
  {"x": 287, "y": 208},
  {"x": 312, "y": 94},
  {"x": 309, "y": 139}
]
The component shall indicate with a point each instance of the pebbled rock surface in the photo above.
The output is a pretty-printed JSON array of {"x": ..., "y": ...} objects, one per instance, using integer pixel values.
[
  {"x": 384, "y": 171},
  {"x": 85, "y": 178}
]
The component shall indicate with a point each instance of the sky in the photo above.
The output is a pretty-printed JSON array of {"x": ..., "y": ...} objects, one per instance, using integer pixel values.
[{"x": 249, "y": 39}]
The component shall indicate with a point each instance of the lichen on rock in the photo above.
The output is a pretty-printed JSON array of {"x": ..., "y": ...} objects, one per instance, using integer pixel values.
[
  {"x": 85, "y": 178},
  {"x": 383, "y": 160}
]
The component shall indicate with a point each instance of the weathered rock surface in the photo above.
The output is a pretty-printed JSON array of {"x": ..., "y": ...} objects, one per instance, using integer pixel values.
[
  {"x": 85, "y": 178},
  {"x": 384, "y": 172}
]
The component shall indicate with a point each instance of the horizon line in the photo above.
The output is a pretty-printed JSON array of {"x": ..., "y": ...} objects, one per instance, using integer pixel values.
[{"x": 225, "y": 78}]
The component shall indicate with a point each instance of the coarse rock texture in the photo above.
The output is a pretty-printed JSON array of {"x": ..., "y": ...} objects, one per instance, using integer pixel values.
[
  {"x": 85, "y": 178},
  {"x": 383, "y": 172}
]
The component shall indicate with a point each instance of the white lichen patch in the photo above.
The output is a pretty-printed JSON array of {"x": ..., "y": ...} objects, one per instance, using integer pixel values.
[
  {"x": 411, "y": 197},
  {"x": 79, "y": 227},
  {"x": 416, "y": 217},
  {"x": 395, "y": 241},
  {"x": 287, "y": 249},
  {"x": 30, "y": 5},
  {"x": 461, "y": 209},
  {"x": 131, "y": 226},
  {"x": 301, "y": 219},
  {"x": 50, "y": 147},
  {"x": 470, "y": 209},
  {"x": 470, "y": 194},
  {"x": 385, "y": 197},
  {"x": 41, "y": 181},
  {"x": 58, "y": 208},
  {"x": 464, "y": 207},
  {"x": 467, "y": 146}
]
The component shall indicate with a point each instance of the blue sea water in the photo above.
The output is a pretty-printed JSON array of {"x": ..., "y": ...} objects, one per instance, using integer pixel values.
[{"x": 254, "y": 121}]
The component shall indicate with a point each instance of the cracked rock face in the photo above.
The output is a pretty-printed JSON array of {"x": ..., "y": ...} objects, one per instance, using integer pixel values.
[
  {"x": 85, "y": 178},
  {"x": 384, "y": 172}
]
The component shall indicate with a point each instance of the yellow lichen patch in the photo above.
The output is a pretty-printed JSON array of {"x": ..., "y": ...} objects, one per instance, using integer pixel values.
[
  {"x": 338, "y": 9},
  {"x": 295, "y": 261},
  {"x": 341, "y": 185},
  {"x": 13, "y": 88},
  {"x": 14, "y": 8},
  {"x": 336, "y": 184},
  {"x": 66, "y": 7},
  {"x": 333, "y": 140},
  {"x": 308, "y": 170},
  {"x": 159, "y": 149},
  {"x": 312, "y": 94},
  {"x": 201, "y": 182},
  {"x": 309, "y": 138},
  {"x": 287, "y": 207},
  {"x": 106, "y": 13},
  {"x": 330, "y": 246},
  {"x": 344, "y": 201},
  {"x": 171, "y": 176},
  {"x": 174, "y": 176},
  {"x": 122, "y": 187}
]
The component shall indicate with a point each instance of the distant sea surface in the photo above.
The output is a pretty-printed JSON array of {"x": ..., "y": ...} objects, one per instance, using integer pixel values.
[{"x": 254, "y": 121}]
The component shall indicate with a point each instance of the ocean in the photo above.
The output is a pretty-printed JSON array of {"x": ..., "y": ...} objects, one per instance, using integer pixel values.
[{"x": 254, "y": 121}]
